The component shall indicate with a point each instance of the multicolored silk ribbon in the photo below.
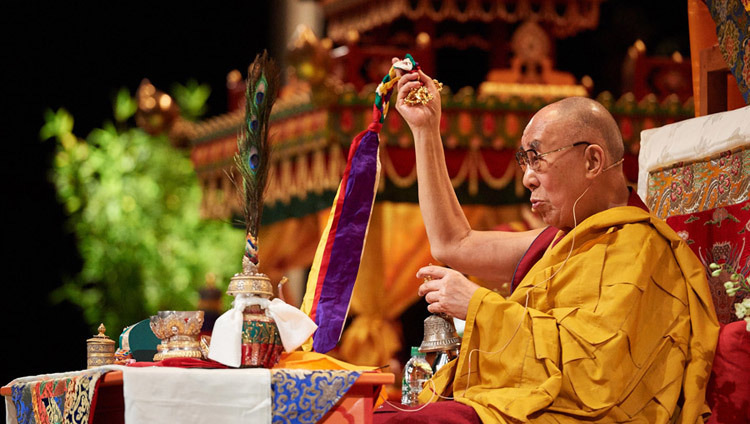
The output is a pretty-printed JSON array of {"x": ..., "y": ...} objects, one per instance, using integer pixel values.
[{"x": 336, "y": 264}]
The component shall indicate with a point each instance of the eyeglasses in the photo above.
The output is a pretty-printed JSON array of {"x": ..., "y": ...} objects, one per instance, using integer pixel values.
[{"x": 530, "y": 158}]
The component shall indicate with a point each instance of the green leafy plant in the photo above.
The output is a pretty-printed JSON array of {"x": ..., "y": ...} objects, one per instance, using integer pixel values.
[
  {"x": 133, "y": 203},
  {"x": 124, "y": 106},
  {"x": 191, "y": 98}
]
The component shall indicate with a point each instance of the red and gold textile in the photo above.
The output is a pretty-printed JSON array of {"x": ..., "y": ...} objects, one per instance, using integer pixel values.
[
  {"x": 720, "y": 180},
  {"x": 695, "y": 174},
  {"x": 261, "y": 341},
  {"x": 707, "y": 202},
  {"x": 722, "y": 236}
]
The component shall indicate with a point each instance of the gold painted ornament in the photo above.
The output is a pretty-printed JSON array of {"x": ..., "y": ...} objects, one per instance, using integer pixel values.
[
  {"x": 178, "y": 331},
  {"x": 420, "y": 96},
  {"x": 100, "y": 349}
]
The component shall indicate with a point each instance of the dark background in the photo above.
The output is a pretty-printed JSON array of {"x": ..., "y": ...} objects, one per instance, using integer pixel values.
[{"x": 77, "y": 56}]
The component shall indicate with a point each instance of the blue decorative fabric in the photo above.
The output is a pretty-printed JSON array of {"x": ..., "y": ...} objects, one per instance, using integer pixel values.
[
  {"x": 22, "y": 401},
  {"x": 732, "y": 18},
  {"x": 305, "y": 396}
]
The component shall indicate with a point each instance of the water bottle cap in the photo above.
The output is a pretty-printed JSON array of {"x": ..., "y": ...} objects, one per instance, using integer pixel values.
[{"x": 415, "y": 351}]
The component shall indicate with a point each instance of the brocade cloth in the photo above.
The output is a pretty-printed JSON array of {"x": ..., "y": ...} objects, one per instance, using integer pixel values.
[
  {"x": 67, "y": 398},
  {"x": 732, "y": 18},
  {"x": 720, "y": 235},
  {"x": 166, "y": 394},
  {"x": 159, "y": 393},
  {"x": 305, "y": 396}
]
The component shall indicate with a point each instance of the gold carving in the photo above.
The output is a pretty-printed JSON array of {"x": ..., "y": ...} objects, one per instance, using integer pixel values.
[
  {"x": 100, "y": 349},
  {"x": 179, "y": 332}
]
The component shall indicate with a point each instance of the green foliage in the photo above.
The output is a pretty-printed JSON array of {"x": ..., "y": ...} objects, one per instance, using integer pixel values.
[
  {"x": 124, "y": 106},
  {"x": 133, "y": 204},
  {"x": 191, "y": 98}
]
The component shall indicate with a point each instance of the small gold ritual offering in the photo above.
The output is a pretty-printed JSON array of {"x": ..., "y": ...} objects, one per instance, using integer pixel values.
[
  {"x": 178, "y": 331},
  {"x": 100, "y": 349},
  {"x": 421, "y": 95}
]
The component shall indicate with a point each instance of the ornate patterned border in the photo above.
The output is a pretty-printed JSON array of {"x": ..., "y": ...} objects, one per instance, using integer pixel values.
[{"x": 688, "y": 187}]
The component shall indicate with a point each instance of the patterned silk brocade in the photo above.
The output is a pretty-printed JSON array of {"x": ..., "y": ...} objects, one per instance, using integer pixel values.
[
  {"x": 732, "y": 19},
  {"x": 64, "y": 400},
  {"x": 305, "y": 396},
  {"x": 718, "y": 181},
  {"x": 295, "y": 395},
  {"x": 261, "y": 342},
  {"x": 707, "y": 202},
  {"x": 720, "y": 235}
]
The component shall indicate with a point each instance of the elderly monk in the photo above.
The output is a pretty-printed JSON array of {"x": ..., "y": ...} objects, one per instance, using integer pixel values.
[{"x": 611, "y": 321}]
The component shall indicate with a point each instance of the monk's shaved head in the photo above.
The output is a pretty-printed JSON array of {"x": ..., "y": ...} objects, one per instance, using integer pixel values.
[
  {"x": 568, "y": 171},
  {"x": 588, "y": 119}
]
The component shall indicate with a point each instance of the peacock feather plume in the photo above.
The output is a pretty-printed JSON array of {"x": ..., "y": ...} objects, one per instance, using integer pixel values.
[{"x": 252, "y": 160}]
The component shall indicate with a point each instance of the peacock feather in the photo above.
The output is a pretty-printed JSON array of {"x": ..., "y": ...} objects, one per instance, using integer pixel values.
[{"x": 252, "y": 160}]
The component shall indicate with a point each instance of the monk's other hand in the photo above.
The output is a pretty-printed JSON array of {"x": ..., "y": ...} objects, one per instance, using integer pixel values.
[{"x": 446, "y": 290}]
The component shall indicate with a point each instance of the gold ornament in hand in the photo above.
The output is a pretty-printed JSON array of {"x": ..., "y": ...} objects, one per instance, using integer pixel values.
[{"x": 421, "y": 95}]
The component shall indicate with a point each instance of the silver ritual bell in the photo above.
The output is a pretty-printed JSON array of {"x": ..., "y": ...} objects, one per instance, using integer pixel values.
[{"x": 440, "y": 336}]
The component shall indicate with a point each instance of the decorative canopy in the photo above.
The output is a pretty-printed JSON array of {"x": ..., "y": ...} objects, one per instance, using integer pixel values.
[
  {"x": 480, "y": 132},
  {"x": 564, "y": 17}
]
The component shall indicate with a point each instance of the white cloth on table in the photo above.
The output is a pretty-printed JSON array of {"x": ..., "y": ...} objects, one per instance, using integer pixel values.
[{"x": 180, "y": 395}]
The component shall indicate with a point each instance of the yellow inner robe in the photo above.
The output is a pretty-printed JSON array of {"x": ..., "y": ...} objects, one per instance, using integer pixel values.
[{"x": 623, "y": 332}]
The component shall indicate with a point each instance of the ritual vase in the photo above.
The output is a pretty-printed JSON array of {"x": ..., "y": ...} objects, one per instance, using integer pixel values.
[{"x": 261, "y": 342}]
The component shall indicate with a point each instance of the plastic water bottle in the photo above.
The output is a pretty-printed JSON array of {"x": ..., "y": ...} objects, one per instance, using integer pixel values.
[{"x": 416, "y": 372}]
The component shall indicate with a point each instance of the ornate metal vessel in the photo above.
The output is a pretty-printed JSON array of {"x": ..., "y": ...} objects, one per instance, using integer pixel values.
[
  {"x": 440, "y": 337},
  {"x": 100, "y": 349},
  {"x": 439, "y": 334},
  {"x": 261, "y": 342},
  {"x": 178, "y": 331}
]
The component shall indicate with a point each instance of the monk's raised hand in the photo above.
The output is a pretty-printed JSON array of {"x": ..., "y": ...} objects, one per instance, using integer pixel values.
[
  {"x": 446, "y": 290},
  {"x": 419, "y": 116}
]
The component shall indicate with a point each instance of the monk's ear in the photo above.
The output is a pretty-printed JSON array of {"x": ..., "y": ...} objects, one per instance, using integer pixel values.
[{"x": 594, "y": 160}]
